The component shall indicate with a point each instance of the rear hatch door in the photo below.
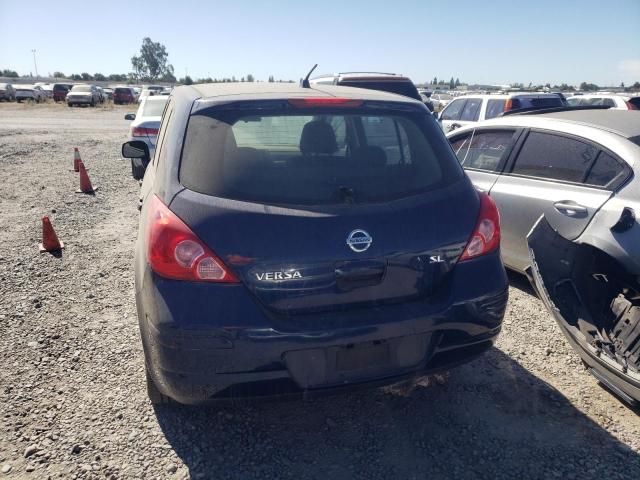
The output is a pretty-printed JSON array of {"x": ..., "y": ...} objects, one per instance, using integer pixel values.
[{"x": 315, "y": 209}]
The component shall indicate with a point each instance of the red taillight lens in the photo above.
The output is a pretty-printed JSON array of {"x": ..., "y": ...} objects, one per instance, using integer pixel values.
[
  {"x": 324, "y": 102},
  {"x": 486, "y": 236},
  {"x": 508, "y": 105},
  {"x": 143, "y": 132},
  {"x": 631, "y": 106},
  {"x": 174, "y": 251}
]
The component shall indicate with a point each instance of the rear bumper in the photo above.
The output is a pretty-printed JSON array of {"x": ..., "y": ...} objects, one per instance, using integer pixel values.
[
  {"x": 80, "y": 100},
  {"x": 554, "y": 263},
  {"x": 199, "y": 350}
]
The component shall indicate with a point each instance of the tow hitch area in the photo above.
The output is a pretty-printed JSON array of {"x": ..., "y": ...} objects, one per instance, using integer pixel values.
[{"x": 595, "y": 301}]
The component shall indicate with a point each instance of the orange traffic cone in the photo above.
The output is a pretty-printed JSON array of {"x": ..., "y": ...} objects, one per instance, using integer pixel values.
[
  {"x": 76, "y": 159},
  {"x": 85, "y": 183},
  {"x": 50, "y": 242}
]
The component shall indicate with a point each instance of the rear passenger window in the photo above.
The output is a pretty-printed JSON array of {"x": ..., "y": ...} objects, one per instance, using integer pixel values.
[
  {"x": 453, "y": 110},
  {"x": 605, "y": 170},
  {"x": 555, "y": 157},
  {"x": 484, "y": 150},
  {"x": 471, "y": 110},
  {"x": 494, "y": 108},
  {"x": 386, "y": 133}
]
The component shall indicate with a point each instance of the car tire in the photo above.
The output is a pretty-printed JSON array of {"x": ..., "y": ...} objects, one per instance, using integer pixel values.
[
  {"x": 137, "y": 169},
  {"x": 93, "y": 103},
  {"x": 155, "y": 396}
]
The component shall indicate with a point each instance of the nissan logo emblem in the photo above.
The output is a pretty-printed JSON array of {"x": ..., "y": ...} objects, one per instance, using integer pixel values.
[{"x": 359, "y": 241}]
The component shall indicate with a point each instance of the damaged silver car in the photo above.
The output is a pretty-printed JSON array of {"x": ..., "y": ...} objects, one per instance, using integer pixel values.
[
  {"x": 590, "y": 279},
  {"x": 571, "y": 179}
]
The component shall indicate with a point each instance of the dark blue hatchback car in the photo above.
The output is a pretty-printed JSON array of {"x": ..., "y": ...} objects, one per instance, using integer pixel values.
[{"x": 299, "y": 240}]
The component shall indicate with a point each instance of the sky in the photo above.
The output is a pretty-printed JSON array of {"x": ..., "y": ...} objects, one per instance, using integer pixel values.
[{"x": 486, "y": 42}]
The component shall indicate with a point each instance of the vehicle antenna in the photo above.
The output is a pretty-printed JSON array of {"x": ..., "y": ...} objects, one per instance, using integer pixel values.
[{"x": 305, "y": 82}]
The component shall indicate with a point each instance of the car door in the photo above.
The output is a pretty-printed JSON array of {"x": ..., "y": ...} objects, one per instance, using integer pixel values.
[
  {"x": 450, "y": 116},
  {"x": 551, "y": 174},
  {"x": 483, "y": 153}
]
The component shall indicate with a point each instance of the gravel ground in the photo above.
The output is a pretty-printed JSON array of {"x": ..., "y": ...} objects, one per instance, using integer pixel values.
[{"x": 72, "y": 396}]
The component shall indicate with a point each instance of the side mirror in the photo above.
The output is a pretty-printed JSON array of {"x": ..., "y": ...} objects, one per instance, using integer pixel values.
[
  {"x": 130, "y": 116},
  {"x": 135, "y": 149}
]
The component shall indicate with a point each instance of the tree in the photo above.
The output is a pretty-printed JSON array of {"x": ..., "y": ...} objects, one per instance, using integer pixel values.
[
  {"x": 187, "y": 80},
  {"x": 151, "y": 64},
  {"x": 457, "y": 84},
  {"x": 59, "y": 75},
  {"x": 452, "y": 84},
  {"x": 9, "y": 73},
  {"x": 435, "y": 81},
  {"x": 86, "y": 77},
  {"x": 636, "y": 86},
  {"x": 250, "y": 78},
  {"x": 75, "y": 76},
  {"x": 271, "y": 80},
  {"x": 588, "y": 87},
  {"x": 99, "y": 77}
]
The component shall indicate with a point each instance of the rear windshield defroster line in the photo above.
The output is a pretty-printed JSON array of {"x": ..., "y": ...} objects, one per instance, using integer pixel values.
[{"x": 315, "y": 156}]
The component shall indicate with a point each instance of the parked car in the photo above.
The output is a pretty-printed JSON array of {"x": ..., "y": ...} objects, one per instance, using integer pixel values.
[
  {"x": 123, "y": 96},
  {"x": 60, "y": 91},
  {"x": 101, "y": 95},
  {"x": 48, "y": 90},
  {"x": 586, "y": 266},
  {"x": 29, "y": 93},
  {"x": 476, "y": 108},
  {"x": 83, "y": 94},
  {"x": 7, "y": 92},
  {"x": 144, "y": 127},
  {"x": 108, "y": 93},
  {"x": 145, "y": 94},
  {"x": 544, "y": 163},
  {"x": 385, "y": 82},
  {"x": 619, "y": 102},
  {"x": 440, "y": 100},
  {"x": 291, "y": 240}
]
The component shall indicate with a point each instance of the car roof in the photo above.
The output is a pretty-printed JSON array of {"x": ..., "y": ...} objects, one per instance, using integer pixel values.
[
  {"x": 625, "y": 123},
  {"x": 262, "y": 90}
]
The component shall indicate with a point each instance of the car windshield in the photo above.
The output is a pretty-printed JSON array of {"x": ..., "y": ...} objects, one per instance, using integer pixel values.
[
  {"x": 81, "y": 88},
  {"x": 153, "y": 107},
  {"x": 315, "y": 157}
]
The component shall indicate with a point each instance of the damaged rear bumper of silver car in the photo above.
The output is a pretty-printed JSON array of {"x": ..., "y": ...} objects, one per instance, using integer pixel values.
[{"x": 596, "y": 304}]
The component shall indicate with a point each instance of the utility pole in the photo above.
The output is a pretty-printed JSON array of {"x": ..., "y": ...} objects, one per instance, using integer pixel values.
[{"x": 34, "y": 61}]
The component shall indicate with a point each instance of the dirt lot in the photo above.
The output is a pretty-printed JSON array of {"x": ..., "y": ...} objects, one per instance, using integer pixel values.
[{"x": 72, "y": 396}]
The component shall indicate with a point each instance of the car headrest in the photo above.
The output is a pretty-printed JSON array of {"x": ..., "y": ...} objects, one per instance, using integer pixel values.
[{"x": 318, "y": 137}]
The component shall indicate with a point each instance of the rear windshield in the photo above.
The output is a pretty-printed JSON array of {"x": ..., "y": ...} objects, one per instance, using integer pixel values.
[
  {"x": 154, "y": 109},
  {"x": 530, "y": 101},
  {"x": 60, "y": 88},
  {"x": 124, "y": 91},
  {"x": 407, "y": 89},
  {"x": 315, "y": 157},
  {"x": 81, "y": 88}
]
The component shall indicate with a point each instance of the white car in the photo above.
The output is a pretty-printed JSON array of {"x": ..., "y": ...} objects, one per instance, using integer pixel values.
[
  {"x": 617, "y": 102},
  {"x": 472, "y": 108},
  {"x": 440, "y": 100},
  {"x": 30, "y": 93},
  {"x": 145, "y": 126}
]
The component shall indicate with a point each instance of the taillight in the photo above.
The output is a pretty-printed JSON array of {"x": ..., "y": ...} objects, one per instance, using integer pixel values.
[
  {"x": 486, "y": 236},
  {"x": 631, "y": 106},
  {"x": 174, "y": 251},
  {"x": 143, "y": 132},
  {"x": 508, "y": 105},
  {"x": 324, "y": 102}
]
